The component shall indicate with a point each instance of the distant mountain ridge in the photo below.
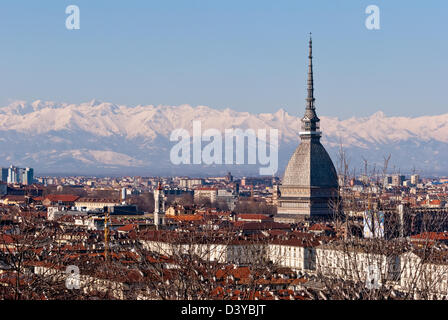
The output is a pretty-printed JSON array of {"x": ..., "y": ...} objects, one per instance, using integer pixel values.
[{"x": 104, "y": 138}]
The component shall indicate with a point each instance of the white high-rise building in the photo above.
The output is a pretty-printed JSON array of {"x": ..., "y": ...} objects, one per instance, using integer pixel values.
[
  {"x": 18, "y": 175},
  {"x": 13, "y": 174},
  {"x": 28, "y": 177},
  {"x": 123, "y": 195},
  {"x": 159, "y": 206},
  {"x": 415, "y": 179}
]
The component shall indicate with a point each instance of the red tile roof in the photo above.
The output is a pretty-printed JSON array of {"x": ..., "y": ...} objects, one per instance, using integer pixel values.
[
  {"x": 62, "y": 197},
  {"x": 12, "y": 197},
  {"x": 437, "y": 236},
  {"x": 187, "y": 217},
  {"x": 253, "y": 216},
  {"x": 127, "y": 228}
]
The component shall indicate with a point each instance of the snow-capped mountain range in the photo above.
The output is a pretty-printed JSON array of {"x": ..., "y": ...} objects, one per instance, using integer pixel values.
[{"x": 104, "y": 138}]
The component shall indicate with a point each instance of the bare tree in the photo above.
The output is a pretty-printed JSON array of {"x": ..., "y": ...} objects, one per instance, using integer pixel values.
[{"x": 380, "y": 260}]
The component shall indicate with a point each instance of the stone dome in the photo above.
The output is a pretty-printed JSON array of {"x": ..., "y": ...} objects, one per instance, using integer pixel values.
[{"x": 310, "y": 165}]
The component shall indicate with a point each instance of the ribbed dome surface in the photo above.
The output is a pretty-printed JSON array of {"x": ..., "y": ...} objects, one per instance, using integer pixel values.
[{"x": 310, "y": 165}]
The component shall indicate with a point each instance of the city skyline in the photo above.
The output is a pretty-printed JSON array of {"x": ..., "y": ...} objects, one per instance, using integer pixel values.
[{"x": 223, "y": 154}]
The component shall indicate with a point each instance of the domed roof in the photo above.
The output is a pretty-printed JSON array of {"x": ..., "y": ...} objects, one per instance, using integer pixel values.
[{"x": 310, "y": 165}]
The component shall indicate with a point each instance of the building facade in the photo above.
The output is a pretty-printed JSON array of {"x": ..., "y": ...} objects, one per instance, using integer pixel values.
[{"x": 205, "y": 193}]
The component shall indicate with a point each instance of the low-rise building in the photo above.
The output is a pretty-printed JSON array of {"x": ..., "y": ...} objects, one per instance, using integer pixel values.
[
  {"x": 60, "y": 200},
  {"x": 209, "y": 194},
  {"x": 87, "y": 204}
]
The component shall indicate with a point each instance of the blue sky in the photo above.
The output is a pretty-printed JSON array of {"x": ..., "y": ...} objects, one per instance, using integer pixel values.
[{"x": 246, "y": 55}]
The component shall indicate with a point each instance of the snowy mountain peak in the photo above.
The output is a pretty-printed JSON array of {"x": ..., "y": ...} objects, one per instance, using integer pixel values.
[
  {"x": 378, "y": 114},
  {"x": 94, "y": 102},
  {"x": 50, "y": 135}
]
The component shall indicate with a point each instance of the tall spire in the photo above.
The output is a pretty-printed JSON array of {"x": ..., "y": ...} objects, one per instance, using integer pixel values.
[
  {"x": 310, "y": 98},
  {"x": 310, "y": 121}
]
